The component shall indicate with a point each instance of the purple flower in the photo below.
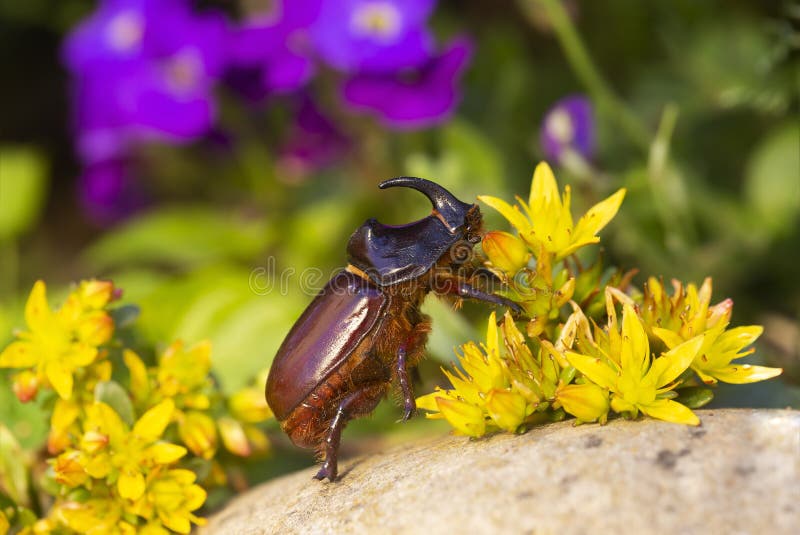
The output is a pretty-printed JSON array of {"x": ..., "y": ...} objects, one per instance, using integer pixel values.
[
  {"x": 376, "y": 36},
  {"x": 415, "y": 99},
  {"x": 314, "y": 141},
  {"x": 271, "y": 51},
  {"x": 568, "y": 125},
  {"x": 143, "y": 69},
  {"x": 108, "y": 193}
]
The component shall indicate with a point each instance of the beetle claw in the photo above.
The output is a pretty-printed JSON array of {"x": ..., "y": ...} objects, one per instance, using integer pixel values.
[{"x": 326, "y": 471}]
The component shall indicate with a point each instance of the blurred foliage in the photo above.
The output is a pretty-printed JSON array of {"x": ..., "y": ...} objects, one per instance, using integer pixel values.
[{"x": 696, "y": 116}]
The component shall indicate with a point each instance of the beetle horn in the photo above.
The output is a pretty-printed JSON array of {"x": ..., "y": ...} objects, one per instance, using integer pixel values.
[{"x": 451, "y": 209}]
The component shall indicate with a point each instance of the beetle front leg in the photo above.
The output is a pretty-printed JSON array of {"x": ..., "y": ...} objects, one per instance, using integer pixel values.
[
  {"x": 360, "y": 402},
  {"x": 464, "y": 289}
]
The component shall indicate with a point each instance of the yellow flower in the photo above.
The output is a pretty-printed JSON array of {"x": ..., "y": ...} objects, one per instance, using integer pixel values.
[
  {"x": 637, "y": 381},
  {"x": 4, "y": 523},
  {"x": 184, "y": 373},
  {"x": 97, "y": 516},
  {"x": 58, "y": 343},
  {"x": 687, "y": 313},
  {"x": 125, "y": 456},
  {"x": 493, "y": 391},
  {"x": 546, "y": 224},
  {"x": 170, "y": 498},
  {"x": 506, "y": 252}
]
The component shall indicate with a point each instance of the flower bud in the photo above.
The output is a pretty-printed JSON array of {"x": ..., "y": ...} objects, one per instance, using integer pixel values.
[
  {"x": 26, "y": 386},
  {"x": 249, "y": 405},
  {"x": 95, "y": 328},
  {"x": 233, "y": 437},
  {"x": 586, "y": 402},
  {"x": 564, "y": 294},
  {"x": 95, "y": 294},
  {"x": 507, "y": 409},
  {"x": 505, "y": 251},
  {"x": 198, "y": 433},
  {"x": 69, "y": 470}
]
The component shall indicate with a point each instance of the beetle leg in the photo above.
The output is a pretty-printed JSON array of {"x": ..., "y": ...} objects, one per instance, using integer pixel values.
[
  {"x": 464, "y": 289},
  {"x": 360, "y": 402},
  {"x": 409, "y": 404}
]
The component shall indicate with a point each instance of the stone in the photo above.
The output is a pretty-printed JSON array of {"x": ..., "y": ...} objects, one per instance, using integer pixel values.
[{"x": 739, "y": 472}]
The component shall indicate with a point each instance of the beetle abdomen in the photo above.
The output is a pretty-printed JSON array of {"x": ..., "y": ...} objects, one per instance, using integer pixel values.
[{"x": 329, "y": 330}]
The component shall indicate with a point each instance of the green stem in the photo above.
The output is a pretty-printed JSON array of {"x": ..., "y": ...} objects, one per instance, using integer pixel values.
[{"x": 588, "y": 74}]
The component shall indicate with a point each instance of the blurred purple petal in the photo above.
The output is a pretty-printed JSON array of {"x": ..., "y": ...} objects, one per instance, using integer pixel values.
[
  {"x": 271, "y": 52},
  {"x": 376, "y": 36},
  {"x": 415, "y": 99},
  {"x": 314, "y": 141},
  {"x": 143, "y": 69},
  {"x": 109, "y": 193},
  {"x": 569, "y": 124}
]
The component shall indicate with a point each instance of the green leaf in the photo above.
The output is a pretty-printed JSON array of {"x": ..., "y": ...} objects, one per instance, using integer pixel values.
[
  {"x": 124, "y": 316},
  {"x": 772, "y": 183},
  {"x": 13, "y": 468},
  {"x": 182, "y": 236},
  {"x": 28, "y": 421},
  {"x": 695, "y": 397},
  {"x": 112, "y": 394},
  {"x": 23, "y": 174}
]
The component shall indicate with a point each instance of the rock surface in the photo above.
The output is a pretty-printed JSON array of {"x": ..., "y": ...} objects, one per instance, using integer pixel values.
[{"x": 737, "y": 473}]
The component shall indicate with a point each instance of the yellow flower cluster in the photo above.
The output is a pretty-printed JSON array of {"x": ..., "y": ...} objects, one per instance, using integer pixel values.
[
  {"x": 114, "y": 472},
  {"x": 58, "y": 344},
  {"x": 569, "y": 364}
]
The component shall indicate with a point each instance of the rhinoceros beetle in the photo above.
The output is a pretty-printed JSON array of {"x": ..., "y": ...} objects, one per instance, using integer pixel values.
[{"x": 364, "y": 331}]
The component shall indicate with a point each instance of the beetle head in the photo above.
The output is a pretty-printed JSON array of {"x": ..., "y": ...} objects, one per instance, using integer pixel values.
[{"x": 393, "y": 254}]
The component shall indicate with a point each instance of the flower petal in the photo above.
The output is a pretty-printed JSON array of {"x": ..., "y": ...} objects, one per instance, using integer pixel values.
[
  {"x": 586, "y": 402},
  {"x": 734, "y": 340},
  {"x": 60, "y": 378},
  {"x": 598, "y": 217},
  {"x": 674, "y": 362},
  {"x": 544, "y": 189},
  {"x": 594, "y": 369},
  {"x": 635, "y": 351},
  {"x": 511, "y": 213},
  {"x": 466, "y": 419},
  {"x": 670, "y": 338},
  {"x": 131, "y": 484},
  {"x": 165, "y": 453},
  {"x": 744, "y": 373},
  {"x": 18, "y": 355},
  {"x": 140, "y": 384},
  {"x": 153, "y": 423},
  {"x": 37, "y": 311},
  {"x": 670, "y": 411}
]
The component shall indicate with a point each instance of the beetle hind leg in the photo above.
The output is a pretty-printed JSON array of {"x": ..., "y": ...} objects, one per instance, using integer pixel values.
[{"x": 356, "y": 404}]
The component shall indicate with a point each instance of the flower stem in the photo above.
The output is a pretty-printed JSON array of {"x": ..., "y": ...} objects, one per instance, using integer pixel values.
[{"x": 588, "y": 74}]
